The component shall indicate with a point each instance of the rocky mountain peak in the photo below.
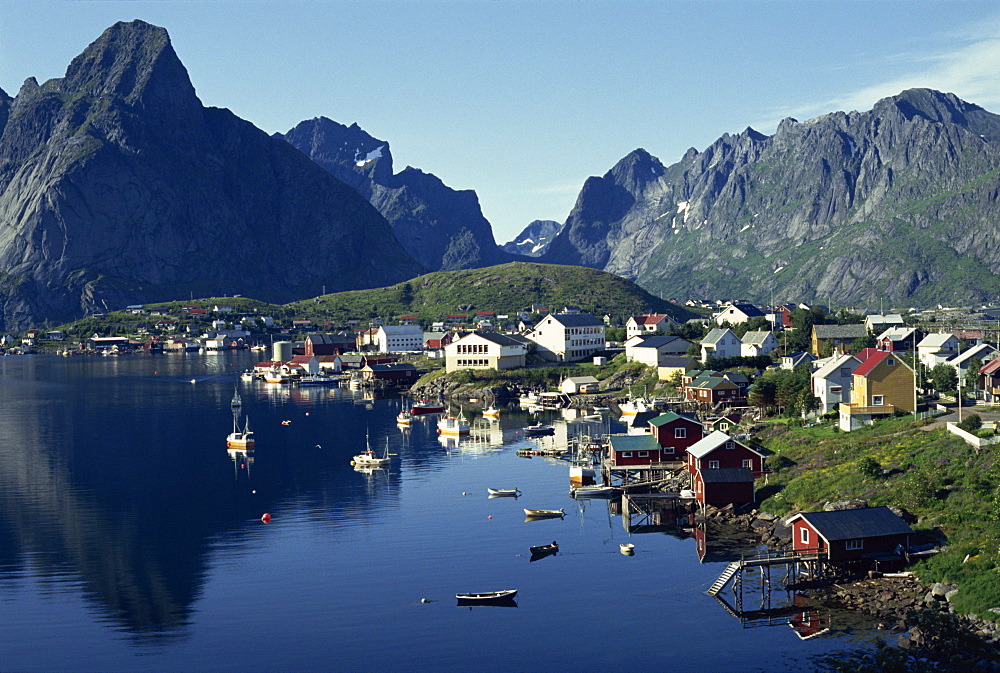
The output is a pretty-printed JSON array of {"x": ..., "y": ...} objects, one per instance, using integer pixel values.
[
  {"x": 349, "y": 152},
  {"x": 135, "y": 63}
]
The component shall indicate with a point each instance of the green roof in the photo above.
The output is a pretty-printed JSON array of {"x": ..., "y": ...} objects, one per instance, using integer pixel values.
[
  {"x": 668, "y": 417},
  {"x": 634, "y": 443}
]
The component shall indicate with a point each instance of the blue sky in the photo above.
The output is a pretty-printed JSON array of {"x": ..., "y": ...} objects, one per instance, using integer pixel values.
[{"x": 521, "y": 101}]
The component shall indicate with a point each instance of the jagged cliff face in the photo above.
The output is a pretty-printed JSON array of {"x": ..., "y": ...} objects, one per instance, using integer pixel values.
[
  {"x": 899, "y": 202},
  {"x": 117, "y": 186},
  {"x": 444, "y": 229},
  {"x": 534, "y": 240}
]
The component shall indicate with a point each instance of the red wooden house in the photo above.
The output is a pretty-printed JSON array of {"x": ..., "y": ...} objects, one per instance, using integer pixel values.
[
  {"x": 718, "y": 450},
  {"x": 634, "y": 450},
  {"x": 713, "y": 390},
  {"x": 868, "y": 534},
  {"x": 724, "y": 486},
  {"x": 675, "y": 433}
]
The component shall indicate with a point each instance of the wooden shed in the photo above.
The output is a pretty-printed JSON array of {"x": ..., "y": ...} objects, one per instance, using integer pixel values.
[{"x": 870, "y": 533}]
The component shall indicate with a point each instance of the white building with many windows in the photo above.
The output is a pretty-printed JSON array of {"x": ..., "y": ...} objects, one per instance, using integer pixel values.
[
  {"x": 485, "y": 350},
  {"x": 398, "y": 338},
  {"x": 567, "y": 337}
]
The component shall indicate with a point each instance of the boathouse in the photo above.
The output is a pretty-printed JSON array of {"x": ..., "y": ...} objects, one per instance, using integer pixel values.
[
  {"x": 719, "y": 450},
  {"x": 868, "y": 534},
  {"x": 633, "y": 450},
  {"x": 724, "y": 486},
  {"x": 400, "y": 373},
  {"x": 675, "y": 433}
]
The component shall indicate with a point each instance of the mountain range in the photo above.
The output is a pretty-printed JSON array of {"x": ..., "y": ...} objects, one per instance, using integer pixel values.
[
  {"x": 117, "y": 186},
  {"x": 900, "y": 202}
]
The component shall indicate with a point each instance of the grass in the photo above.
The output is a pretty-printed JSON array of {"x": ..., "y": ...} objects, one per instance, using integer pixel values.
[{"x": 953, "y": 489}]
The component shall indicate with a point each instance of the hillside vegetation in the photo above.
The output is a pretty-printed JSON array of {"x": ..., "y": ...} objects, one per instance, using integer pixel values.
[{"x": 951, "y": 487}]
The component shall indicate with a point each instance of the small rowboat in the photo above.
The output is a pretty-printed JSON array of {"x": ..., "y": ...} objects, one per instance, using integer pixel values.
[
  {"x": 503, "y": 594},
  {"x": 503, "y": 492},
  {"x": 545, "y": 548},
  {"x": 544, "y": 513},
  {"x": 627, "y": 548}
]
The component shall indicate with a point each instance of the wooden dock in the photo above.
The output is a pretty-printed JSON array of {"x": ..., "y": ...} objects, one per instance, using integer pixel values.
[{"x": 811, "y": 563}]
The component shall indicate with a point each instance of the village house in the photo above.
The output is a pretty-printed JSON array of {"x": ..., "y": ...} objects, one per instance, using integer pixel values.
[
  {"x": 831, "y": 383},
  {"x": 725, "y": 424},
  {"x": 877, "y": 323},
  {"x": 398, "y": 339},
  {"x": 835, "y": 336},
  {"x": 737, "y": 313},
  {"x": 568, "y": 337},
  {"x": 634, "y": 450},
  {"x": 653, "y": 350},
  {"x": 724, "y": 486},
  {"x": 983, "y": 352},
  {"x": 329, "y": 344},
  {"x": 758, "y": 342},
  {"x": 793, "y": 360},
  {"x": 305, "y": 365},
  {"x": 936, "y": 349},
  {"x": 485, "y": 350},
  {"x": 783, "y": 316},
  {"x": 989, "y": 381},
  {"x": 881, "y": 386},
  {"x": 711, "y": 388},
  {"x": 675, "y": 433},
  {"x": 397, "y": 373},
  {"x": 720, "y": 343},
  {"x": 647, "y": 324},
  {"x": 673, "y": 365},
  {"x": 899, "y": 339},
  {"x": 719, "y": 450},
  {"x": 869, "y": 534},
  {"x": 572, "y": 385}
]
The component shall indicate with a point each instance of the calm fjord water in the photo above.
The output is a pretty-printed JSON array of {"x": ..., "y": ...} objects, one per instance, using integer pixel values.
[{"x": 130, "y": 540}]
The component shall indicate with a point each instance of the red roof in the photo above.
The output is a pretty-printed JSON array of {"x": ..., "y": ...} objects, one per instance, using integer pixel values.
[
  {"x": 873, "y": 360},
  {"x": 649, "y": 319},
  {"x": 990, "y": 367}
]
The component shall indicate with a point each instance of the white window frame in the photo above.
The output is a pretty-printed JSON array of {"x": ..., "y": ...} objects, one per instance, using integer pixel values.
[
  {"x": 626, "y": 454},
  {"x": 878, "y": 400},
  {"x": 680, "y": 433},
  {"x": 713, "y": 465},
  {"x": 748, "y": 462},
  {"x": 804, "y": 536},
  {"x": 643, "y": 454},
  {"x": 854, "y": 545}
]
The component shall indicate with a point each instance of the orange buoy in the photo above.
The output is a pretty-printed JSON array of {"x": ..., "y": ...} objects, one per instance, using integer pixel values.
[
  {"x": 266, "y": 518},
  {"x": 490, "y": 516}
]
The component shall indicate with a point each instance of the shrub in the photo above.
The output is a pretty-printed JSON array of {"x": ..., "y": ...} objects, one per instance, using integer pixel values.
[
  {"x": 869, "y": 467},
  {"x": 971, "y": 423}
]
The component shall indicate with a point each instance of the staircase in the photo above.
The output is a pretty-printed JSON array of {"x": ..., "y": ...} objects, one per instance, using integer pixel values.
[{"x": 724, "y": 578}]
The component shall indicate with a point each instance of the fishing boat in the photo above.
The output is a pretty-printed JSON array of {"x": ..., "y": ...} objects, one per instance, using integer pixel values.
[
  {"x": 369, "y": 458},
  {"x": 503, "y": 594},
  {"x": 503, "y": 492},
  {"x": 236, "y": 402},
  {"x": 580, "y": 474},
  {"x": 274, "y": 376},
  {"x": 240, "y": 439},
  {"x": 317, "y": 380},
  {"x": 627, "y": 548},
  {"x": 427, "y": 407},
  {"x": 491, "y": 412},
  {"x": 538, "y": 430},
  {"x": 635, "y": 406},
  {"x": 455, "y": 427},
  {"x": 544, "y": 513},
  {"x": 545, "y": 548},
  {"x": 404, "y": 418},
  {"x": 247, "y": 375}
]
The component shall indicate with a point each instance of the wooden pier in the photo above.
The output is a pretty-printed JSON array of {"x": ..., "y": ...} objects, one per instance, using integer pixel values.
[
  {"x": 811, "y": 564},
  {"x": 653, "y": 512}
]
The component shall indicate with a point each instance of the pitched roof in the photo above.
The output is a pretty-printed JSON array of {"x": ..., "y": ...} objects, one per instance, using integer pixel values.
[
  {"x": 678, "y": 361},
  {"x": 657, "y": 341},
  {"x": 497, "y": 338},
  {"x": 756, "y": 337},
  {"x": 727, "y": 475},
  {"x": 749, "y": 310},
  {"x": 852, "y": 524},
  {"x": 871, "y": 362},
  {"x": 581, "y": 379},
  {"x": 670, "y": 417},
  {"x": 710, "y": 443},
  {"x": 980, "y": 351},
  {"x": 936, "y": 340},
  {"x": 577, "y": 319},
  {"x": 634, "y": 443},
  {"x": 990, "y": 367},
  {"x": 840, "y": 331},
  {"x": 846, "y": 360},
  {"x": 652, "y": 319},
  {"x": 715, "y": 335}
]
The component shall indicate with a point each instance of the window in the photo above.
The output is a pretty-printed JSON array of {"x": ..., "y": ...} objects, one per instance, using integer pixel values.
[
  {"x": 748, "y": 462},
  {"x": 644, "y": 454},
  {"x": 730, "y": 445},
  {"x": 890, "y": 362},
  {"x": 680, "y": 433},
  {"x": 713, "y": 465},
  {"x": 626, "y": 454},
  {"x": 668, "y": 449},
  {"x": 878, "y": 400},
  {"x": 854, "y": 545},
  {"x": 845, "y": 372},
  {"x": 805, "y": 536}
]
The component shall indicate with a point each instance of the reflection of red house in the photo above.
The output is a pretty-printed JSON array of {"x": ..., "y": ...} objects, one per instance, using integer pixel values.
[
  {"x": 675, "y": 433},
  {"x": 718, "y": 450},
  {"x": 634, "y": 450},
  {"x": 871, "y": 533},
  {"x": 721, "y": 487},
  {"x": 810, "y": 622}
]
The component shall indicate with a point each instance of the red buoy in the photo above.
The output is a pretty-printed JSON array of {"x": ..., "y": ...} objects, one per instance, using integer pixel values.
[{"x": 266, "y": 518}]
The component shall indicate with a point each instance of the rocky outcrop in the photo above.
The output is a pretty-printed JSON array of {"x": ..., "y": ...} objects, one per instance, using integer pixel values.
[
  {"x": 442, "y": 228},
  {"x": 900, "y": 202},
  {"x": 534, "y": 240},
  {"x": 118, "y": 186}
]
